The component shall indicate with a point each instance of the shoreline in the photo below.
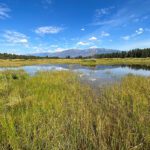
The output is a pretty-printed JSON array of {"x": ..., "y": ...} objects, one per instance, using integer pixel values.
[{"x": 84, "y": 62}]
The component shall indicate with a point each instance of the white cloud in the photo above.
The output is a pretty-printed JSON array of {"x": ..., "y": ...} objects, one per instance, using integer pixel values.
[
  {"x": 48, "y": 30},
  {"x": 103, "y": 11},
  {"x": 139, "y": 31},
  {"x": 82, "y": 29},
  {"x": 82, "y": 43},
  {"x": 92, "y": 47},
  {"x": 139, "y": 18},
  {"x": 124, "y": 15},
  {"x": 44, "y": 49},
  {"x": 41, "y": 48},
  {"x": 93, "y": 38},
  {"x": 37, "y": 49},
  {"x": 54, "y": 46},
  {"x": 104, "y": 34},
  {"x": 4, "y": 10},
  {"x": 15, "y": 37},
  {"x": 104, "y": 22},
  {"x": 126, "y": 37},
  {"x": 59, "y": 49}
]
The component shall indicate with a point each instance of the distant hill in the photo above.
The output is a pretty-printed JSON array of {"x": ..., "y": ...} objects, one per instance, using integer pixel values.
[{"x": 77, "y": 52}]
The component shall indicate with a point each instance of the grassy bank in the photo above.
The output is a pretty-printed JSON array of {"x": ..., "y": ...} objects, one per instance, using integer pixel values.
[
  {"x": 87, "y": 62},
  {"x": 55, "y": 111}
]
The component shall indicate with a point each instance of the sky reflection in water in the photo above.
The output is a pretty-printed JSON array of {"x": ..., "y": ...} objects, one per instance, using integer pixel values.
[{"x": 95, "y": 75}]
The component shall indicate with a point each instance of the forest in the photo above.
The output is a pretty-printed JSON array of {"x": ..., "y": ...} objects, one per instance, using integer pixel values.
[{"x": 136, "y": 53}]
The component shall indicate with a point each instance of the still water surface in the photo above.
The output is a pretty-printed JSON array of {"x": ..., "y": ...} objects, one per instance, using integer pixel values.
[{"x": 100, "y": 74}]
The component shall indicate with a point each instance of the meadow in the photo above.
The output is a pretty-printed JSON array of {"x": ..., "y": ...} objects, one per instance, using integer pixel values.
[
  {"x": 86, "y": 62},
  {"x": 53, "y": 110}
]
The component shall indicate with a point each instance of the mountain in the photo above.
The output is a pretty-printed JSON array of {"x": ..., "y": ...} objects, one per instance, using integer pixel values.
[{"x": 77, "y": 52}]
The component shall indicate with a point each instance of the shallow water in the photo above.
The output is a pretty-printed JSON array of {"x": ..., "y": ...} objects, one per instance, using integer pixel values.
[{"x": 99, "y": 75}]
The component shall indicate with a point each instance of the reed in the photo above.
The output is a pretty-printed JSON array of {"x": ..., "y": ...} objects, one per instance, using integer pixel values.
[
  {"x": 53, "y": 110},
  {"x": 86, "y": 62}
]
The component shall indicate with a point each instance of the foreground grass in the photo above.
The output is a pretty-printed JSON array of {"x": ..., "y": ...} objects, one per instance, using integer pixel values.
[
  {"x": 87, "y": 62},
  {"x": 55, "y": 111}
]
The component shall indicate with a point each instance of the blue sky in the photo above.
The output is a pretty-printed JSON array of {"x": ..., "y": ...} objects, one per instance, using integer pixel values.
[{"x": 33, "y": 26}]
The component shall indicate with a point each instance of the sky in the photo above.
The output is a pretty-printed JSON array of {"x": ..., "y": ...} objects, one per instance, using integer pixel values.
[{"x": 37, "y": 26}]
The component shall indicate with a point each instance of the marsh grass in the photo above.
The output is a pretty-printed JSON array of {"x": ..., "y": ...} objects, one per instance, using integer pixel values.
[
  {"x": 85, "y": 62},
  {"x": 53, "y": 110}
]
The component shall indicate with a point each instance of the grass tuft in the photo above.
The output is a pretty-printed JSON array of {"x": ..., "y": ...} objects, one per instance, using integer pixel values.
[{"x": 53, "y": 110}]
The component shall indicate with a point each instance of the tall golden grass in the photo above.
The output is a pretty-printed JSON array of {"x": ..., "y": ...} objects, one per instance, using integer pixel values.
[
  {"x": 87, "y": 62},
  {"x": 53, "y": 110}
]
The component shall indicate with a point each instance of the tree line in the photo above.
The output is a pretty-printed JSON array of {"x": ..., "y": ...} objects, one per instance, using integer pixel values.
[
  {"x": 136, "y": 53},
  {"x": 14, "y": 56}
]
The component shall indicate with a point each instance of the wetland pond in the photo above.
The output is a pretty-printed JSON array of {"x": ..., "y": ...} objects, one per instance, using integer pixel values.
[{"x": 98, "y": 75}]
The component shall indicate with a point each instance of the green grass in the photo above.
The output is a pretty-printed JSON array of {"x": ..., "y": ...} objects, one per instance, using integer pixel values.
[
  {"x": 87, "y": 62},
  {"x": 53, "y": 110}
]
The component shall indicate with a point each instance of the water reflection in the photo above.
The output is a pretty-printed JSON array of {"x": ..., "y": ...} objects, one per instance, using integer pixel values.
[
  {"x": 137, "y": 67},
  {"x": 100, "y": 74}
]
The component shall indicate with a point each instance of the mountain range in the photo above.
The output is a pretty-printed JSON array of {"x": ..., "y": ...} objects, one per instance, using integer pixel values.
[{"x": 76, "y": 52}]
